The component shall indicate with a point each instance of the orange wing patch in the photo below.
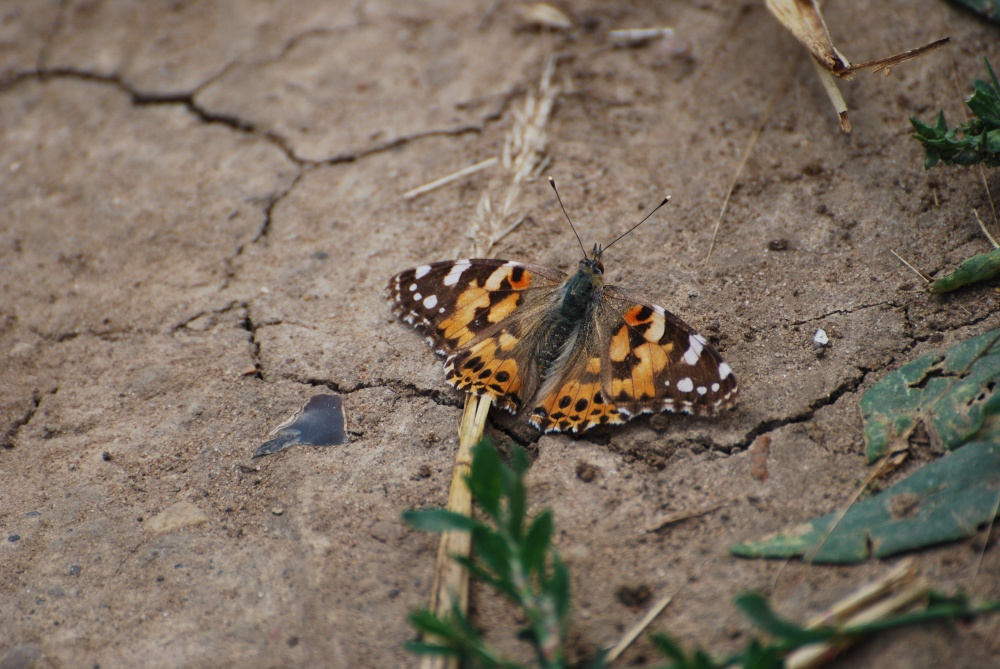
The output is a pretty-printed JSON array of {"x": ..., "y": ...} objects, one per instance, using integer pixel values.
[
  {"x": 484, "y": 371},
  {"x": 493, "y": 301},
  {"x": 577, "y": 405}
]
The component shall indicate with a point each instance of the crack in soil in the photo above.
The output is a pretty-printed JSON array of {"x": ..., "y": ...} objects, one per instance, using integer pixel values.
[
  {"x": 248, "y": 325},
  {"x": 10, "y": 435},
  {"x": 847, "y": 387},
  {"x": 836, "y": 312}
]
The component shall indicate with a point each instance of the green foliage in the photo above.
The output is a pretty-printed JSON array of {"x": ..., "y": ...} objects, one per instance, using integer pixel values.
[
  {"x": 517, "y": 559},
  {"x": 947, "y": 500},
  {"x": 954, "y": 396},
  {"x": 512, "y": 554},
  {"x": 789, "y": 636},
  {"x": 980, "y": 141},
  {"x": 980, "y": 267},
  {"x": 987, "y": 8}
]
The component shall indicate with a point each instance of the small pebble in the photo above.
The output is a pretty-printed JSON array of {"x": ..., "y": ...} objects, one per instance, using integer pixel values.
[
  {"x": 105, "y": 456},
  {"x": 13, "y": 537},
  {"x": 159, "y": 579},
  {"x": 777, "y": 244},
  {"x": 277, "y": 511},
  {"x": 820, "y": 339},
  {"x": 74, "y": 570}
]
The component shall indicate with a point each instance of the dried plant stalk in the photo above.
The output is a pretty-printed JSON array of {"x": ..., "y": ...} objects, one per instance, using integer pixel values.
[
  {"x": 522, "y": 159},
  {"x": 451, "y": 581}
]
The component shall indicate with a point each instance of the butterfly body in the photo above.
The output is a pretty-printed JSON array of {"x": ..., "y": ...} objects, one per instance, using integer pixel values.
[{"x": 575, "y": 352}]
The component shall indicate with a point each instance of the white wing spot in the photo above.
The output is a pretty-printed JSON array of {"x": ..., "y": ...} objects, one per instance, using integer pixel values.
[
  {"x": 724, "y": 370},
  {"x": 421, "y": 271},
  {"x": 685, "y": 385},
  {"x": 430, "y": 301},
  {"x": 441, "y": 310},
  {"x": 692, "y": 354},
  {"x": 702, "y": 390},
  {"x": 715, "y": 387},
  {"x": 418, "y": 297},
  {"x": 456, "y": 273},
  {"x": 667, "y": 383},
  {"x": 413, "y": 287}
]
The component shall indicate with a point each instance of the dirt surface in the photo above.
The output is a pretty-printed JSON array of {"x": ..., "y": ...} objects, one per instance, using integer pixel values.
[{"x": 202, "y": 203}]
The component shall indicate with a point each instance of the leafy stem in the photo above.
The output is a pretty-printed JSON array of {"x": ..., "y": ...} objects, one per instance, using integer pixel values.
[{"x": 980, "y": 142}]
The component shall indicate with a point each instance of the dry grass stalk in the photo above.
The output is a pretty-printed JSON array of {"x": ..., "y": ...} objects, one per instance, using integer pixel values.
[
  {"x": 451, "y": 581},
  {"x": 915, "y": 270},
  {"x": 454, "y": 176},
  {"x": 681, "y": 515},
  {"x": 638, "y": 629},
  {"x": 522, "y": 159},
  {"x": 891, "y": 594},
  {"x": 544, "y": 15},
  {"x": 804, "y": 20},
  {"x": 747, "y": 151}
]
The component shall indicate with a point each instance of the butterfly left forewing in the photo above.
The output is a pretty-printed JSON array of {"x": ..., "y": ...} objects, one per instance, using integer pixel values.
[{"x": 479, "y": 313}]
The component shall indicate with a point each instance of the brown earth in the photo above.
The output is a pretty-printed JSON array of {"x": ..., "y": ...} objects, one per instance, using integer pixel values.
[{"x": 202, "y": 202}]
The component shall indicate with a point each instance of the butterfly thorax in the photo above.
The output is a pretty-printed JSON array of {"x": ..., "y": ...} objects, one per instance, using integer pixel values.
[{"x": 578, "y": 295}]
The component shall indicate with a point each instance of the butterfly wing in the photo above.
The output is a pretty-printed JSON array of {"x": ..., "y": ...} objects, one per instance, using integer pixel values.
[
  {"x": 481, "y": 314},
  {"x": 634, "y": 358}
]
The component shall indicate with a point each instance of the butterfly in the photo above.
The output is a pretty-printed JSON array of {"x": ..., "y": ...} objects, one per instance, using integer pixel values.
[{"x": 571, "y": 350}]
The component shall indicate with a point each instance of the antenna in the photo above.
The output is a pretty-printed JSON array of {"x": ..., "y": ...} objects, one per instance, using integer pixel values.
[
  {"x": 552, "y": 182},
  {"x": 665, "y": 200}
]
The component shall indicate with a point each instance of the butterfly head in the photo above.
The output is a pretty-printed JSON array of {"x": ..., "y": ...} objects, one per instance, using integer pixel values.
[{"x": 594, "y": 261}]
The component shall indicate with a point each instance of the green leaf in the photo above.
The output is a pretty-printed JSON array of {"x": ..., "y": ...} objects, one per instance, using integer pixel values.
[
  {"x": 486, "y": 477},
  {"x": 760, "y": 613},
  {"x": 980, "y": 267},
  {"x": 424, "y": 648},
  {"x": 670, "y": 649},
  {"x": 537, "y": 542},
  {"x": 977, "y": 144},
  {"x": 516, "y": 494},
  {"x": 429, "y": 624},
  {"x": 954, "y": 395},
  {"x": 988, "y": 8},
  {"x": 494, "y": 552},
  {"x": 440, "y": 520},
  {"x": 946, "y": 500},
  {"x": 560, "y": 587}
]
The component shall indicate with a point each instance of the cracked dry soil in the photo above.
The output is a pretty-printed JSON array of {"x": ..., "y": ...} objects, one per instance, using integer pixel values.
[{"x": 201, "y": 203}]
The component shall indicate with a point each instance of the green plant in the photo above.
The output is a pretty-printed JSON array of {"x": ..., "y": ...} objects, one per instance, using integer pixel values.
[
  {"x": 512, "y": 555},
  {"x": 516, "y": 558},
  {"x": 981, "y": 136}
]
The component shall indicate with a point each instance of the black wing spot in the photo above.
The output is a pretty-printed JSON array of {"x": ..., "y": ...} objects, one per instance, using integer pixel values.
[
  {"x": 644, "y": 313},
  {"x": 564, "y": 401},
  {"x": 503, "y": 376},
  {"x": 486, "y": 373},
  {"x": 581, "y": 405},
  {"x": 475, "y": 363},
  {"x": 598, "y": 398}
]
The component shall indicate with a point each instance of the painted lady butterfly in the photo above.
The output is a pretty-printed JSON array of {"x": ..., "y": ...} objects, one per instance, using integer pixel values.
[{"x": 577, "y": 352}]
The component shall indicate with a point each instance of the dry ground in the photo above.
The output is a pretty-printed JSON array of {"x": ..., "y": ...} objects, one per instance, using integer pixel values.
[{"x": 201, "y": 204}]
